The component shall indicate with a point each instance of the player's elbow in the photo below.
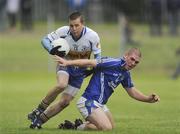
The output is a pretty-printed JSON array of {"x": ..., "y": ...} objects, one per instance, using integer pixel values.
[{"x": 45, "y": 42}]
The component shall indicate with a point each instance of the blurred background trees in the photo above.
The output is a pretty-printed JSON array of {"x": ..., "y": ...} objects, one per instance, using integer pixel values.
[
  {"x": 153, "y": 12},
  {"x": 123, "y": 23}
]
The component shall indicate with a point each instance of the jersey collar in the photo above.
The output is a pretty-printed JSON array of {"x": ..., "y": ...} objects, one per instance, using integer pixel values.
[
  {"x": 123, "y": 63},
  {"x": 83, "y": 32}
]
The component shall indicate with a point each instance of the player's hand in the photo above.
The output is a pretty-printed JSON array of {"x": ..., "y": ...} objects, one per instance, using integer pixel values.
[
  {"x": 154, "y": 98},
  {"x": 60, "y": 60},
  {"x": 55, "y": 51}
]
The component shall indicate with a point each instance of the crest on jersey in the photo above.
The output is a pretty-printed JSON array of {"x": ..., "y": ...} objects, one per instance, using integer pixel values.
[{"x": 75, "y": 47}]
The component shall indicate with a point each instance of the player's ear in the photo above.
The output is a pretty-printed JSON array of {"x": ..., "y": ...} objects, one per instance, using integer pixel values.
[{"x": 125, "y": 56}]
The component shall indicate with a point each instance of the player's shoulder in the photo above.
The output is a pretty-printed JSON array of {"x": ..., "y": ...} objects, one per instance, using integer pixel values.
[
  {"x": 108, "y": 59},
  {"x": 64, "y": 29},
  {"x": 111, "y": 59},
  {"x": 91, "y": 33}
]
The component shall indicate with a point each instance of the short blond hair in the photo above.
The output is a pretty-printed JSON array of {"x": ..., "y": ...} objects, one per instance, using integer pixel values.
[{"x": 133, "y": 50}]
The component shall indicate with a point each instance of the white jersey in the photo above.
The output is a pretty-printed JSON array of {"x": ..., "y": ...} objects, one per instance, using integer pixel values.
[{"x": 81, "y": 48}]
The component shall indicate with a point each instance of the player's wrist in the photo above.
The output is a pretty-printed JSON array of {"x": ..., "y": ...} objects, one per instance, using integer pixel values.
[
  {"x": 68, "y": 62},
  {"x": 150, "y": 98}
]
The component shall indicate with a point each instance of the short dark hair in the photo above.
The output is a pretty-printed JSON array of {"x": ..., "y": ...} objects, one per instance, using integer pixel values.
[{"x": 76, "y": 14}]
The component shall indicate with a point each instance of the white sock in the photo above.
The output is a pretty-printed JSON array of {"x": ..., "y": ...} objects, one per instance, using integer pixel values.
[{"x": 81, "y": 127}]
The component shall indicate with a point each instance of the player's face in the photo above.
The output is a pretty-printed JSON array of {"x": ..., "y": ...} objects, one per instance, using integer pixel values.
[
  {"x": 131, "y": 60},
  {"x": 76, "y": 27}
]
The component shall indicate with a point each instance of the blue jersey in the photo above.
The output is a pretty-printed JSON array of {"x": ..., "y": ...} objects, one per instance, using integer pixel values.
[{"x": 108, "y": 74}]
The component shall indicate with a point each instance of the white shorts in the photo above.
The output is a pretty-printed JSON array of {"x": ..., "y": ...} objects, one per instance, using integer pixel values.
[{"x": 85, "y": 106}]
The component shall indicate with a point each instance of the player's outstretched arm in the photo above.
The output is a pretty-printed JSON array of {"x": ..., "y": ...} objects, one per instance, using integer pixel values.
[
  {"x": 136, "y": 94},
  {"x": 80, "y": 62}
]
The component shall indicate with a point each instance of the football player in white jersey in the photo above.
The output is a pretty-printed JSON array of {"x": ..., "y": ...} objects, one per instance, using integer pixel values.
[{"x": 82, "y": 41}]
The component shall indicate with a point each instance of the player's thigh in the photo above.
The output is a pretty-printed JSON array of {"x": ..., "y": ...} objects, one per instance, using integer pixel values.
[
  {"x": 110, "y": 117},
  {"x": 62, "y": 79},
  {"x": 95, "y": 113},
  {"x": 99, "y": 118}
]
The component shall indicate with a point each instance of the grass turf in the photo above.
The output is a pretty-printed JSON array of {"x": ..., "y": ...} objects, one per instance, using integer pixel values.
[{"x": 25, "y": 79}]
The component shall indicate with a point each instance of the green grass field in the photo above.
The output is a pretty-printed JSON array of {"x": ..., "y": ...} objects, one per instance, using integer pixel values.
[{"x": 26, "y": 76}]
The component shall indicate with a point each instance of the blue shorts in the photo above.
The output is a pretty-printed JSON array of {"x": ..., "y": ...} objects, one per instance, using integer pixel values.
[{"x": 76, "y": 75}]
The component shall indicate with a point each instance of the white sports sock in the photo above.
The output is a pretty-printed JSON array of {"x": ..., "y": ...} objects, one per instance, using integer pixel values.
[{"x": 81, "y": 127}]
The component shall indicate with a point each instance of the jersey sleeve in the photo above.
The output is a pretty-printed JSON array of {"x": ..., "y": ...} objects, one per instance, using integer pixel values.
[
  {"x": 96, "y": 46},
  {"x": 59, "y": 33},
  {"x": 127, "y": 82},
  {"x": 106, "y": 62}
]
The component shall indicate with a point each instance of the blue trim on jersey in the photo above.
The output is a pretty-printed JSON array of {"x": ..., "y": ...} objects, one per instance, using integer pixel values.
[
  {"x": 79, "y": 36},
  {"x": 85, "y": 30},
  {"x": 90, "y": 44},
  {"x": 64, "y": 36},
  {"x": 52, "y": 35},
  {"x": 68, "y": 31},
  {"x": 108, "y": 74}
]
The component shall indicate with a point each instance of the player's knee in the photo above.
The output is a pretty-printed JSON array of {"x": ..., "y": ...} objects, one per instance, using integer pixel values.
[
  {"x": 64, "y": 103},
  {"x": 60, "y": 87}
]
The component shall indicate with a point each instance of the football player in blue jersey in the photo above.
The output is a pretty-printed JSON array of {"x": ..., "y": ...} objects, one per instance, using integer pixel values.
[
  {"x": 82, "y": 41},
  {"x": 108, "y": 74}
]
